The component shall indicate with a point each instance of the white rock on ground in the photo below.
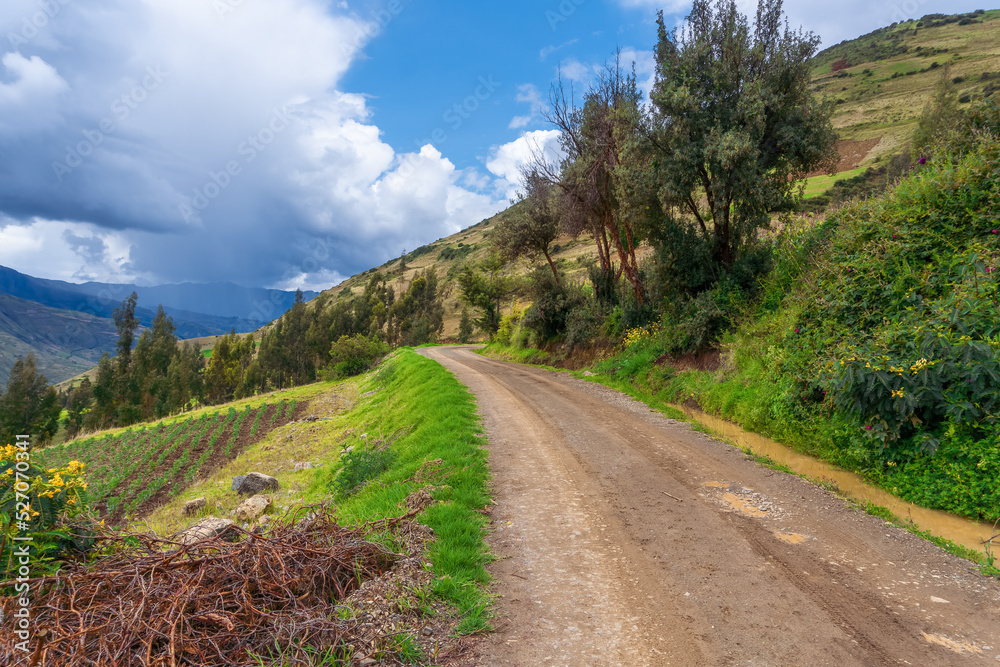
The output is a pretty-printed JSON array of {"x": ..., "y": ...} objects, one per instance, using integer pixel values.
[
  {"x": 206, "y": 529},
  {"x": 192, "y": 506},
  {"x": 251, "y": 508}
]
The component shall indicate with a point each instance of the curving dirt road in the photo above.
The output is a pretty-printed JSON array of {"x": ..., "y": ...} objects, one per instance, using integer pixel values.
[{"x": 625, "y": 538}]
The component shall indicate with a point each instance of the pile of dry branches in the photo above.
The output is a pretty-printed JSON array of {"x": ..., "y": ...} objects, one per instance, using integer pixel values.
[{"x": 211, "y": 603}]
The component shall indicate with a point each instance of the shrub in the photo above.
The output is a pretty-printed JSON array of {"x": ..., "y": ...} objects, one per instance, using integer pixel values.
[
  {"x": 359, "y": 467},
  {"x": 353, "y": 355},
  {"x": 55, "y": 511},
  {"x": 553, "y": 302}
]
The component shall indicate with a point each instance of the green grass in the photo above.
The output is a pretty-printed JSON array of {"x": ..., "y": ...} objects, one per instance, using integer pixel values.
[
  {"x": 438, "y": 419},
  {"x": 817, "y": 185}
]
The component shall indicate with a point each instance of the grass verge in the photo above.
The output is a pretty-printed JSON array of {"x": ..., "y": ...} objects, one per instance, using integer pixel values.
[{"x": 440, "y": 444}]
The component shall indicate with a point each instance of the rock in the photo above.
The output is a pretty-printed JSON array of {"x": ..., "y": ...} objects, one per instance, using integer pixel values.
[
  {"x": 237, "y": 481},
  {"x": 251, "y": 508},
  {"x": 311, "y": 418},
  {"x": 305, "y": 465},
  {"x": 206, "y": 529},
  {"x": 192, "y": 506},
  {"x": 427, "y": 632},
  {"x": 253, "y": 483},
  {"x": 588, "y": 374},
  {"x": 368, "y": 662}
]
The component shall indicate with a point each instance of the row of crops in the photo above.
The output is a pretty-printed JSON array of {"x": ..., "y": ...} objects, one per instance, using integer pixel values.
[{"x": 131, "y": 472}]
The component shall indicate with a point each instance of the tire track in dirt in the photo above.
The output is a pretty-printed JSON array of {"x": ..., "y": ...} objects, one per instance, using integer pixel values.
[{"x": 628, "y": 539}]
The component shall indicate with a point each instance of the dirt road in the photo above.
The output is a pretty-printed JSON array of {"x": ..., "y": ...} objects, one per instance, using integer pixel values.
[{"x": 626, "y": 538}]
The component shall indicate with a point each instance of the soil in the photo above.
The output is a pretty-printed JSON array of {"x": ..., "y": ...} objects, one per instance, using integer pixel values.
[
  {"x": 217, "y": 459},
  {"x": 852, "y": 154},
  {"x": 626, "y": 538}
]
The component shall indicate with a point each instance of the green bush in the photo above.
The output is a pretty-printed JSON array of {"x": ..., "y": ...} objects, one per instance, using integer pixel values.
[
  {"x": 50, "y": 506},
  {"x": 353, "y": 355},
  {"x": 360, "y": 466}
]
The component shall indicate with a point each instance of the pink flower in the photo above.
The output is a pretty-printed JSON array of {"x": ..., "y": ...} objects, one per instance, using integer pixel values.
[
  {"x": 796, "y": 331},
  {"x": 868, "y": 428}
]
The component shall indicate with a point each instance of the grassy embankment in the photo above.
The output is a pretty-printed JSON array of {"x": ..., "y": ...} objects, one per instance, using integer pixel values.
[
  {"x": 439, "y": 442},
  {"x": 435, "y": 417}
]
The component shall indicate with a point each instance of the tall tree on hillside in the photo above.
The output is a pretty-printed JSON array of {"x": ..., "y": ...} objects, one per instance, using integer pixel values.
[
  {"x": 530, "y": 229},
  {"x": 102, "y": 413},
  {"x": 185, "y": 377},
  {"x": 29, "y": 406},
  {"x": 736, "y": 123},
  {"x": 418, "y": 314},
  {"x": 594, "y": 137},
  {"x": 127, "y": 397},
  {"x": 152, "y": 355},
  {"x": 486, "y": 287},
  {"x": 80, "y": 399},
  {"x": 126, "y": 323}
]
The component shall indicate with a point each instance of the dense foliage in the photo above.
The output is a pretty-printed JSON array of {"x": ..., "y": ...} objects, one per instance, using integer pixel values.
[{"x": 875, "y": 340}]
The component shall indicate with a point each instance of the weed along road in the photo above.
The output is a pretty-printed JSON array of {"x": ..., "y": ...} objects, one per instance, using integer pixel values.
[{"x": 626, "y": 538}]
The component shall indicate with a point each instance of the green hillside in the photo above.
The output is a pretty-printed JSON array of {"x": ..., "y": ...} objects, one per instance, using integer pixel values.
[{"x": 880, "y": 82}]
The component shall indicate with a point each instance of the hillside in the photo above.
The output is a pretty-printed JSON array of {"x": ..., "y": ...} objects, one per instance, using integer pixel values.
[
  {"x": 65, "y": 342},
  {"x": 880, "y": 82}
]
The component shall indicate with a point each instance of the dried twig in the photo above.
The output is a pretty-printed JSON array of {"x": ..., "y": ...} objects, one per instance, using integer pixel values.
[{"x": 210, "y": 603}]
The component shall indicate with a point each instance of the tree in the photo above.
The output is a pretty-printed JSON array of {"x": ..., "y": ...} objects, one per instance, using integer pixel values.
[
  {"x": 29, "y": 406},
  {"x": 594, "y": 138},
  {"x": 465, "y": 326},
  {"x": 126, "y": 323},
  {"x": 418, "y": 314},
  {"x": 530, "y": 229},
  {"x": 735, "y": 123},
  {"x": 76, "y": 408},
  {"x": 485, "y": 288},
  {"x": 151, "y": 358}
]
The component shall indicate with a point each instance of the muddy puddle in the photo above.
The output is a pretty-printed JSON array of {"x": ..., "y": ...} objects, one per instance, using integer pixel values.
[{"x": 941, "y": 524}]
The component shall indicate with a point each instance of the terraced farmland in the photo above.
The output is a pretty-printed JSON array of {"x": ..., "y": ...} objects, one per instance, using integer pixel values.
[{"x": 131, "y": 472}]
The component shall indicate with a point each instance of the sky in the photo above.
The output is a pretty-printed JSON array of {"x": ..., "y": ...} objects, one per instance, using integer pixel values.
[{"x": 294, "y": 143}]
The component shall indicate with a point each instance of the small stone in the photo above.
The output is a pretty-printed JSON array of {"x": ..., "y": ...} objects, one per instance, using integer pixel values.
[
  {"x": 206, "y": 529},
  {"x": 427, "y": 632},
  {"x": 588, "y": 374},
  {"x": 368, "y": 662},
  {"x": 311, "y": 418},
  {"x": 251, "y": 508},
  {"x": 305, "y": 465},
  {"x": 191, "y": 507},
  {"x": 237, "y": 481},
  {"x": 255, "y": 482}
]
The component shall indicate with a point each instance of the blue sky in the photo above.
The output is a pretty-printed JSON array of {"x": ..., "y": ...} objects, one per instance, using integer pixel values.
[{"x": 287, "y": 143}]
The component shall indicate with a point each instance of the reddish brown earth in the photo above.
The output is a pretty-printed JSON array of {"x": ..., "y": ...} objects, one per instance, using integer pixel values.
[
  {"x": 625, "y": 538},
  {"x": 852, "y": 152}
]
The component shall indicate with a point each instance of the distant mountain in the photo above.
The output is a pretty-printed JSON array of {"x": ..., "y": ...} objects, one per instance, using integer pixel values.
[
  {"x": 69, "y": 326},
  {"x": 65, "y": 342},
  {"x": 197, "y": 310}
]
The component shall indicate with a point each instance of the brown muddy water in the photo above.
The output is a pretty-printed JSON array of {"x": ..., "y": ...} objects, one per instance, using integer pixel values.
[{"x": 968, "y": 533}]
